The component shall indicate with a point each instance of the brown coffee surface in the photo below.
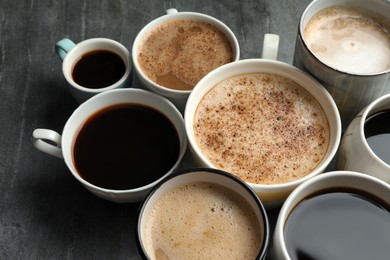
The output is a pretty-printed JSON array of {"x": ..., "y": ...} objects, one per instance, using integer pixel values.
[
  {"x": 264, "y": 128},
  {"x": 177, "y": 54},
  {"x": 350, "y": 39},
  {"x": 202, "y": 221}
]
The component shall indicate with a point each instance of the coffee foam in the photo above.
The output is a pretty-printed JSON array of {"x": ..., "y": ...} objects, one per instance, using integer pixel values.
[
  {"x": 350, "y": 39},
  {"x": 178, "y": 53},
  {"x": 202, "y": 221},
  {"x": 264, "y": 128}
]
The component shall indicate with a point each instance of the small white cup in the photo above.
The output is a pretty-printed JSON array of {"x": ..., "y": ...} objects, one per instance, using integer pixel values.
[
  {"x": 271, "y": 194},
  {"x": 337, "y": 179},
  {"x": 52, "y": 143},
  {"x": 354, "y": 153},
  {"x": 178, "y": 97},
  {"x": 70, "y": 53}
]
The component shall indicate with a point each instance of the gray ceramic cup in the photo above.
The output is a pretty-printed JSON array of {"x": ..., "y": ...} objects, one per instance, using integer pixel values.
[{"x": 351, "y": 91}]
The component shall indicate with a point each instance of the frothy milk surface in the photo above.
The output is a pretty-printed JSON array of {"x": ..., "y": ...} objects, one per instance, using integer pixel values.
[
  {"x": 350, "y": 39},
  {"x": 264, "y": 128},
  {"x": 202, "y": 221},
  {"x": 177, "y": 54}
]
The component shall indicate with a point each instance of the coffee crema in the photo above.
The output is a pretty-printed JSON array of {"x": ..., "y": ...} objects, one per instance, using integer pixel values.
[
  {"x": 202, "y": 221},
  {"x": 125, "y": 146},
  {"x": 178, "y": 53},
  {"x": 338, "y": 223},
  {"x": 264, "y": 128},
  {"x": 350, "y": 39}
]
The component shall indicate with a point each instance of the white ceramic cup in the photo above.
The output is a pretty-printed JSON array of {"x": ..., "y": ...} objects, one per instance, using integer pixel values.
[
  {"x": 206, "y": 175},
  {"x": 351, "y": 91},
  {"x": 61, "y": 146},
  {"x": 354, "y": 153},
  {"x": 271, "y": 194},
  {"x": 70, "y": 53},
  {"x": 337, "y": 179},
  {"x": 178, "y": 97}
]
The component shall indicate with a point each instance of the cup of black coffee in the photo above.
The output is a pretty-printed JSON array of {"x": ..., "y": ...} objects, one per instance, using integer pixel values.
[
  {"x": 365, "y": 146},
  {"x": 202, "y": 213},
  {"x": 336, "y": 215},
  {"x": 94, "y": 66},
  {"x": 119, "y": 143}
]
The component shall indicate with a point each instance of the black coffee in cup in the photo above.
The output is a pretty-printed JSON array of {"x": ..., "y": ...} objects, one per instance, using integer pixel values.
[
  {"x": 98, "y": 69},
  {"x": 125, "y": 146},
  {"x": 339, "y": 223},
  {"x": 377, "y": 133}
]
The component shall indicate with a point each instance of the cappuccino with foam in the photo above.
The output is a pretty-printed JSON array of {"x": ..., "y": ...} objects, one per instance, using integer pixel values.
[
  {"x": 178, "y": 53},
  {"x": 202, "y": 220},
  {"x": 350, "y": 39},
  {"x": 264, "y": 128}
]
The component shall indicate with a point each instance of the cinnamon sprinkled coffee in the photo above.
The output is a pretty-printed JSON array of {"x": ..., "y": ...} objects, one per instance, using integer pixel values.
[{"x": 264, "y": 128}]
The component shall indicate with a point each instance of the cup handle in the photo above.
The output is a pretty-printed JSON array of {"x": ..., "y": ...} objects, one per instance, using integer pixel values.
[
  {"x": 172, "y": 11},
  {"x": 270, "y": 46},
  {"x": 63, "y": 46},
  {"x": 48, "y": 141}
]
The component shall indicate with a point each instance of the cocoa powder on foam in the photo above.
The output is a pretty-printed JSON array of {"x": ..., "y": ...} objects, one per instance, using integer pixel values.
[
  {"x": 264, "y": 128},
  {"x": 178, "y": 53}
]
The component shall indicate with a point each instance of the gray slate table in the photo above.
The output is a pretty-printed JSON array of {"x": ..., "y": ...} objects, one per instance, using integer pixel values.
[{"x": 44, "y": 212}]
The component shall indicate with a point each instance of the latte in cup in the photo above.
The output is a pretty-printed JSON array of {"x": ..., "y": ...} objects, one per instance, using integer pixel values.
[
  {"x": 202, "y": 220},
  {"x": 353, "y": 40},
  {"x": 262, "y": 127},
  {"x": 178, "y": 53}
]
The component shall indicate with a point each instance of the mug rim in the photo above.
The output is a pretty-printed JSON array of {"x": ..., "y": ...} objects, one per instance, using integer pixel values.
[
  {"x": 68, "y": 158},
  {"x": 259, "y": 204},
  {"x": 301, "y": 28},
  {"x": 185, "y": 15},
  {"x": 369, "y": 111},
  {"x": 292, "y": 71},
  {"x": 292, "y": 200},
  {"x": 85, "y": 43}
]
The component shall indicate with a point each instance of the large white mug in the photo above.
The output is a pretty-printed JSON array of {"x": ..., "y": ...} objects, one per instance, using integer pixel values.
[
  {"x": 270, "y": 194},
  {"x": 62, "y": 146}
]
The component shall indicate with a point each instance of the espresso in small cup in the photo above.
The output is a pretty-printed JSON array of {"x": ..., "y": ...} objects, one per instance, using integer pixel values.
[
  {"x": 98, "y": 69},
  {"x": 262, "y": 127},
  {"x": 178, "y": 53},
  {"x": 350, "y": 39},
  {"x": 202, "y": 214},
  {"x": 94, "y": 66}
]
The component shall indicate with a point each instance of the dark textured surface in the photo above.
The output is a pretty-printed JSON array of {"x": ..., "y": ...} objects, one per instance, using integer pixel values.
[{"x": 44, "y": 212}]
